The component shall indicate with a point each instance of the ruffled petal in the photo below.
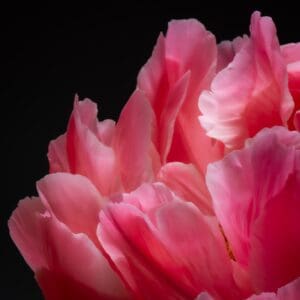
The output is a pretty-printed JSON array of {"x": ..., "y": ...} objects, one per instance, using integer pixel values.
[
  {"x": 251, "y": 92},
  {"x": 255, "y": 195}
]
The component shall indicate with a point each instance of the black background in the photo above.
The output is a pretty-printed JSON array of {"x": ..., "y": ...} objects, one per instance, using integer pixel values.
[{"x": 51, "y": 53}]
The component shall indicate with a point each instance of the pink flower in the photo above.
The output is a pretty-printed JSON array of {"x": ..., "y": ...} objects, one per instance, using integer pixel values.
[
  {"x": 160, "y": 205},
  {"x": 259, "y": 209}
]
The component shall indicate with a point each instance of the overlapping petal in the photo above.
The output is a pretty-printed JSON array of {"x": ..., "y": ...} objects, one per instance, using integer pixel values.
[
  {"x": 251, "y": 92},
  {"x": 166, "y": 250},
  {"x": 255, "y": 193},
  {"x": 67, "y": 262}
]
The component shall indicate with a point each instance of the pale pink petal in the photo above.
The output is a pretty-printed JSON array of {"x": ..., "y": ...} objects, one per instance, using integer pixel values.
[
  {"x": 255, "y": 195},
  {"x": 49, "y": 246},
  {"x": 163, "y": 258},
  {"x": 57, "y": 155},
  {"x": 252, "y": 92},
  {"x": 187, "y": 183},
  {"x": 74, "y": 200},
  {"x": 87, "y": 155},
  {"x": 133, "y": 142}
]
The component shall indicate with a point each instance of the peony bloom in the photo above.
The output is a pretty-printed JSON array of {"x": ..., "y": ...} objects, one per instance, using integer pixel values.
[{"x": 162, "y": 205}]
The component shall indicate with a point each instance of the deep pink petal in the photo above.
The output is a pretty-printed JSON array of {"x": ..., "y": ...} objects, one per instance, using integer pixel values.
[
  {"x": 254, "y": 192},
  {"x": 252, "y": 92}
]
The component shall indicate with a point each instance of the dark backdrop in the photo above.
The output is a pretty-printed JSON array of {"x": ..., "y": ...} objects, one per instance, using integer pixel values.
[{"x": 51, "y": 53}]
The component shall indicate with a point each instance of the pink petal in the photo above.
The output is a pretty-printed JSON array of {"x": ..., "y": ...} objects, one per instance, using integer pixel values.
[
  {"x": 49, "y": 246},
  {"x": 185, "y": 41},
  {"x": 106, "y": 131},
  {"x": 87, "y": 155},
  {"x": 158, "y": 257},
  {"x": 133, "y": 142},
  {"x": 74, "y": 200},
  {"x": 252, "y": 92},
  {"x": 227, "y": 50},
  {"x": 57, "y": 155},
  {"x": 297, "y": 120},
  {"x": 25, "y": 231},
  {"x": 187, "y": 183},
  {"x": 182, "y": 64},
  {"x": 291, "y": 291},
  {"x": 291, "y": 54},
  {"x": 254, "y": 192}
]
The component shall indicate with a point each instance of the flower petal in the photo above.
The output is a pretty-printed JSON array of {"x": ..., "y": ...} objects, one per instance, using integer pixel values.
[
  {"x": 57, "y": 155},
  {"x": 74, "y": 200},
  {"x": 187, "y": 183},
  {"x": 252, "y": 92},
  {"x": 158, "y": 257},
  {"x": 87, "y": 155},
  {"x": 259, "y": 208},
  {"x": 172, "y": 80},
  {"x": 136, "y": 156},
  {"x": 49, "y": 246}
]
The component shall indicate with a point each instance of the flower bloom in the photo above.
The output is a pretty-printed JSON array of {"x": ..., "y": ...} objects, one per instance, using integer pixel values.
[{"x": 192, "y": 194}]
